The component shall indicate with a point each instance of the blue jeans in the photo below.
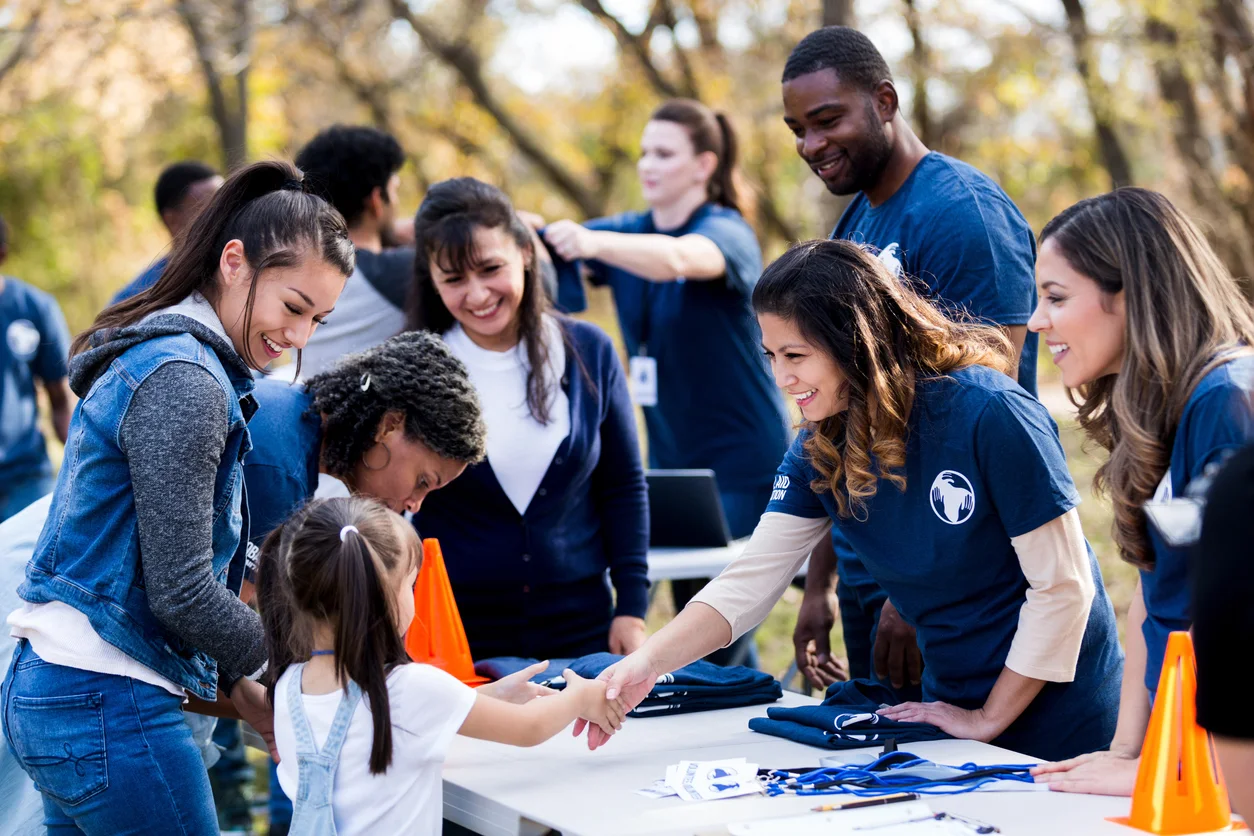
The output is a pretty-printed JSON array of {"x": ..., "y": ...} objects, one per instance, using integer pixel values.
[
  {"x": 110, "y": 754},
  {"x": 22, "y": 491}
]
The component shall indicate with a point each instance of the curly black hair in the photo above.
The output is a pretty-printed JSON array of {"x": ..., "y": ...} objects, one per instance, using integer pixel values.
[
  {"x": 413, "y": 373},
  {"x": 847, "y": 51},
  {"x": 345, "y": 163}
]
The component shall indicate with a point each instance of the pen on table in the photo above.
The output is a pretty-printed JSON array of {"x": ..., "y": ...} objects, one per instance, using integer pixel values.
[{"x": 868, "y": 802}]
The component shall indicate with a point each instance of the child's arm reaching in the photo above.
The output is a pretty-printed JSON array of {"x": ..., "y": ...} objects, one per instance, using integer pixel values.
[{"x": 538, "y": 720}]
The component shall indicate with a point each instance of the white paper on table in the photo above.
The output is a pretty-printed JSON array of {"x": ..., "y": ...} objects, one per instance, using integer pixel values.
[
  {"x": 658, "y": 789},
  {"x": 708, "y": 780},
  {"x": 910, "y": 817}
]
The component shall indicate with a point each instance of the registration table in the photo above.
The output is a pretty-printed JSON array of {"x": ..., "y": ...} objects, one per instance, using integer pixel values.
[{"x": 500, "y": 790}]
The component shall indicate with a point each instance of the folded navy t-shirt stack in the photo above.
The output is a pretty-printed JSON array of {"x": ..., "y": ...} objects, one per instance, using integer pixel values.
[
  {"x": 700, "y": 686},
  {"x": 846, "y": 719}
]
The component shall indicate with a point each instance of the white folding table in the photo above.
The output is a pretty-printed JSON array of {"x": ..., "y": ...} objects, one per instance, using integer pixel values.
[{"x": 560, "y": 785}]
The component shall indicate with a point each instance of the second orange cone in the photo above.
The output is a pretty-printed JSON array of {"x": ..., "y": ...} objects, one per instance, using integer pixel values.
[
  {"x": 1179, "y": 786},
  {"x": 436, "y": 635}
]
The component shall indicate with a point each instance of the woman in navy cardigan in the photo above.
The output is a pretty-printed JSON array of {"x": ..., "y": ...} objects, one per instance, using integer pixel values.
[{"x": 530, "y": 532}]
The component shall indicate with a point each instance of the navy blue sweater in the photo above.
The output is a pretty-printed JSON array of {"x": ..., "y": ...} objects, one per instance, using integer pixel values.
[{"x": 534, "y": 584}]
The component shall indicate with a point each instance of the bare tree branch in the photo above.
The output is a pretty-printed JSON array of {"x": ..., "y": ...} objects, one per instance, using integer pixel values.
[
  {"x": 231, "y": 118},
  {"x": 23, "y": 45},
  {"x": 671, "y": 21},
  {"x": 920, "y": 69},
  {"x": 469, "y": 67},
  {"x": 636, "y": 45},
  {"x": 1099, "y": 96},
  {"x": 838, "y": 13}
]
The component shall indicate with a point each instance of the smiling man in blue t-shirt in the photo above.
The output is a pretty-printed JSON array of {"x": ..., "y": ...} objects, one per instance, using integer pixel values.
[
  {"x": 34, "y": 345},
  {"x": 931, "y": 218}
]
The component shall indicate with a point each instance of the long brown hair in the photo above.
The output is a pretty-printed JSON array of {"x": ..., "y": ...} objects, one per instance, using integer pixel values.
[
  {"x": 312, "y": 569},
  {"x": 444, "y": 229},
  {"x": 1185, "y": 316},
  {"x": 264, "y": 206},
  {"x": 884, "y": 337},
  {"x": 710, "y": 131}
]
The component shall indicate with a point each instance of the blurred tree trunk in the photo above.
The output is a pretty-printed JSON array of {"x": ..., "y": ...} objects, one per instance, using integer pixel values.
[
  {"x": 1099, "y": 97},
  {"x": 838, "y": 13},
  {"x": 1229, "y": 234},
  {"x": 920, "y": 72},
  {"x": 1234, "y": 36},
  {"x": 222, "y": 34}
]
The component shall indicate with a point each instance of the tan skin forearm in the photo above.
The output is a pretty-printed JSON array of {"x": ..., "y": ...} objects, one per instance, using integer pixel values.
[
  {"x": 1011, "y": 695},
  {"x": 1134, "y": 705},
  {"x": 661, "y": 258},
  {"x": 696, "y": 632}
]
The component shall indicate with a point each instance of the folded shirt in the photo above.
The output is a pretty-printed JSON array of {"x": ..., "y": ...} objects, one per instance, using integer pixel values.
[
  {"x": 701, "y": 686},
  {"x": 846, "y": 719}
]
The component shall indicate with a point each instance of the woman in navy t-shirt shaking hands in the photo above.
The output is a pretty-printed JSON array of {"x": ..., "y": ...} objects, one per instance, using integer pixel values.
[{"x": 950, "y": 480}]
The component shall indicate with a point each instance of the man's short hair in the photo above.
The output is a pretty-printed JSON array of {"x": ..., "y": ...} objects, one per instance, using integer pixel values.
[
  {"x": 176, "y": 180},
  {"x": 345, "y": 163},
  {"x": 846, "y": 51}
]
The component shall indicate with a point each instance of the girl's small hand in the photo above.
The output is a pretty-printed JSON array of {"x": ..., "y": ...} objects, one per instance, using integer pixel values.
[
  {"x": 518, "y": 687},
  {"x": 957, "y": 722},
  {"x": 627, "y": 633},
  {"x": 594, "y": 707},
  {"x": 570, "y": 240}
]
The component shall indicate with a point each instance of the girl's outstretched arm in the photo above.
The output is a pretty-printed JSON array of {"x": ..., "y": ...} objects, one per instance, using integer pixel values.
[{"x": 538, "y": 720}]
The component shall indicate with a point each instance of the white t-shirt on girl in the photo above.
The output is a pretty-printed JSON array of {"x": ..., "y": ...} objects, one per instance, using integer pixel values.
[{"x": 428, "y": 706}]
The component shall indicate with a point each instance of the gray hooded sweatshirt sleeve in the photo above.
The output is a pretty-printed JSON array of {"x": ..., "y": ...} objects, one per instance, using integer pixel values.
[{"x": 173, "y": 435}]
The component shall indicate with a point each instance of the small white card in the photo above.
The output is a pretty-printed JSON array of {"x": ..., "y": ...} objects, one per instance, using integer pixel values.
[
  {"x": 707, "y": 780},
  {"x": 642, "y": 380}
]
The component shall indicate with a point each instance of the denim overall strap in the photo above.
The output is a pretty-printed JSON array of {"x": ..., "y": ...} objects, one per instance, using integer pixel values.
[{"x": 312, "y": 814}]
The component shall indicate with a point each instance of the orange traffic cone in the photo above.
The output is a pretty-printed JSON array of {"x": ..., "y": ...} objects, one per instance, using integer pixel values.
[
  {"x": 1179, "y": 786},
  {"x": 436, "y": 635}
]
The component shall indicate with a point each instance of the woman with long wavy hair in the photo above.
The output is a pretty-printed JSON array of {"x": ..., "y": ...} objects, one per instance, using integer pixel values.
[
  {"x": 949, "y": 479},
  {"x": 1156, "y": 344}
]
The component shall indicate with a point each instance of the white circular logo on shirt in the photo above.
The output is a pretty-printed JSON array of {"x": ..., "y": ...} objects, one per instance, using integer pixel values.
[
  {"x": 23, "y": 339},
  {"x": 952, "y": 497}
]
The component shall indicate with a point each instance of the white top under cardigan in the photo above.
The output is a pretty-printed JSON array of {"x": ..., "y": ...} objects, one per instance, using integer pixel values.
[{"x": 520, "y": 448}]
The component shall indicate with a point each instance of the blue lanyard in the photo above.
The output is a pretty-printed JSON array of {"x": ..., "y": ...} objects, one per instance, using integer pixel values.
[{"x": 877, "y": 778}]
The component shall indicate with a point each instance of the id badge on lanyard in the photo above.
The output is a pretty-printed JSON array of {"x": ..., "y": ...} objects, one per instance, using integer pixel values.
[{"x": 642, "y": 378}]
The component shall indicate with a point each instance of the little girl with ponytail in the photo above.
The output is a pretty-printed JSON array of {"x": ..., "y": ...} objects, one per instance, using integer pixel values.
[{"x": 361, "y": 731}]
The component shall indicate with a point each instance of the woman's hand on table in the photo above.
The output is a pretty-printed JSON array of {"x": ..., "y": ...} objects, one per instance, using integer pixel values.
[
  {"x": 518, "y": 687},
  {"x": 966, "y": 724},
  {"x": 629, "y": 681},
  {"x": 626, "y": 634},
  {"x": 570, "y": 240},
  {"x": 1097, "y": 773}
]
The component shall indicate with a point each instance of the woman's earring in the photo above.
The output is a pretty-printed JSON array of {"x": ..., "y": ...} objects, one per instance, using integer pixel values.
[{"x": 366, "y": 464}]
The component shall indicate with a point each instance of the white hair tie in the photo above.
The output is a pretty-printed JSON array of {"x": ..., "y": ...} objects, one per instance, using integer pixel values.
[{"x": 344, "y": 532}]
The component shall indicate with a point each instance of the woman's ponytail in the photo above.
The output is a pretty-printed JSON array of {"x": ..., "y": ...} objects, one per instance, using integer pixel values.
[{"x": 723, "y": 183}]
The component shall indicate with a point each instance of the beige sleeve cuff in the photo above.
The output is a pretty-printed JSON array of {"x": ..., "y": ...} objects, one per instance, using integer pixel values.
[
  {"x": 1055, "y": 561},
  {"x": 749, "y": 587}
]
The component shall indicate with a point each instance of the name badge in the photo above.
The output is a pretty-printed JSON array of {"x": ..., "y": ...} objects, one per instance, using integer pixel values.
[{"x": 642, "y": 380}]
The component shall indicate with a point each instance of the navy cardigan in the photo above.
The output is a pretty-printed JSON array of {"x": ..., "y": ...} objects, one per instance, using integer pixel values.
[{"x": 535, "y": 584}]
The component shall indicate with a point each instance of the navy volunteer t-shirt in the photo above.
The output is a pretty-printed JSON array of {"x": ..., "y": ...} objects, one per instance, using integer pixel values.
[
  {"x": 34, "y": 343},
  {"x": 717, "y": 405},
  {"x": 1217, "y": 420},
  {"x": 141, "y": 282},
  {"x": 952, "y": 228},
  {"x": 983, "y": 465},
  {"x": 281, "y": 471}
]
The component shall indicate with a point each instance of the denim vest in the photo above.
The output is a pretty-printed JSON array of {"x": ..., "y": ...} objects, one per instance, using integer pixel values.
[{"x": 88, "y": 553}]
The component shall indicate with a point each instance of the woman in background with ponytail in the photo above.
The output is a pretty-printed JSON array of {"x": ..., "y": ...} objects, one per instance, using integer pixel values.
[
  {"x": 131, "y": 598},
  {"x": 682, "y": 273}
]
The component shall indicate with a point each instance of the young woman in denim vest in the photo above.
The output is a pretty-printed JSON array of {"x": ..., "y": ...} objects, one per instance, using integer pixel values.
[{"x": 131, "y": 596}]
